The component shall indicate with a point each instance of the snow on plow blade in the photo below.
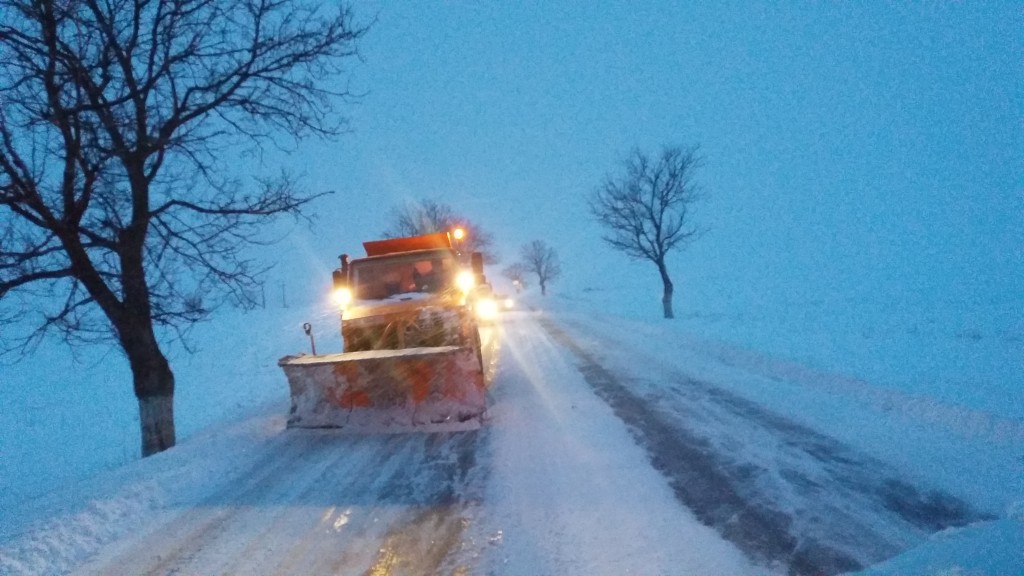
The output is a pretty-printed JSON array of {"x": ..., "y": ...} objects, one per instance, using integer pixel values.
[{"x": 439, "y": 388}]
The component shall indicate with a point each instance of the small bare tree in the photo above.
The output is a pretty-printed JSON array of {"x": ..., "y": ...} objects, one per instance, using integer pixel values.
[
  {"x": 647, "y": 210},
  {"x": 540, "y": 259},
  {"x": 516, "y": 272},
  {"x": 429, "y": 216},
  {"x": 115, "y": 117}
]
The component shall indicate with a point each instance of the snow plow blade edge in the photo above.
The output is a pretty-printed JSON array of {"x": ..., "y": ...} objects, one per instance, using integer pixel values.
[{"x": 422, "y": 389}]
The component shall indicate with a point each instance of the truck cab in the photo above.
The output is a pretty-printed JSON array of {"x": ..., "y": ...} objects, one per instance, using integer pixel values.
[{"x": 407, "y": 292}]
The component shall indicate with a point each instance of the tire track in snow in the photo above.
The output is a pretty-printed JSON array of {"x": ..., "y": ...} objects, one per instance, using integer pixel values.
[
  {"x": 449, "y": 485},
  {"x": 864, "y": 514},
  {"x": 319, "y": 502},
  {"x": 294, "y": 537},
  {"x": 177, "y": 538}
]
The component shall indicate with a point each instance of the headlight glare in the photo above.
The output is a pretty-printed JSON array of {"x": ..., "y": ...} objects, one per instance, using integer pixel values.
[
  {"x": 486, "y": 309},
  {"x": 465, "y": 281},
  {"x": 342, "y": 297}
]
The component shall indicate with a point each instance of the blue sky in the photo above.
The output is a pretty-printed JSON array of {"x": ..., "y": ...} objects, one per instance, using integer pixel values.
[{"x": 851, "y": 150}]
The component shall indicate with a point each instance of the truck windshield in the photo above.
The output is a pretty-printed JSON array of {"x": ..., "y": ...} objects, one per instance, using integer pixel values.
[{"x": 383, "y": 277}]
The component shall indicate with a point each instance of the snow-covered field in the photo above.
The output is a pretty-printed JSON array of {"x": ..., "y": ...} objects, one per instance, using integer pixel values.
[{"x": 938, "y": 397}]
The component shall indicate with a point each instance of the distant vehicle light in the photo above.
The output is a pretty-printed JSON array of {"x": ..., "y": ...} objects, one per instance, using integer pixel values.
[
  {"x": 342, "y": 297},
  {"x": 465, "y": 281}
]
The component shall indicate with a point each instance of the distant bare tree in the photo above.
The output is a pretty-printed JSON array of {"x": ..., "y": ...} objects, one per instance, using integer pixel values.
[
  {"x": 116, "y": 117},
  {"x": 540, "y": 259},
  {"x": 429, "y": 216},
  {"x": 517, "y": 274},
  {"x": 647, "y": 210}
]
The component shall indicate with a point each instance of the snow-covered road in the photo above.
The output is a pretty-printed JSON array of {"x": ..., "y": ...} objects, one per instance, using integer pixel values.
[
  {"x": 315, "y": 503},
  {"x": 790, "y": 496},
  {"x": 597, "y": 457},
  {"x": 569, "y": 489},
  {"x": 553, "y": 484}
]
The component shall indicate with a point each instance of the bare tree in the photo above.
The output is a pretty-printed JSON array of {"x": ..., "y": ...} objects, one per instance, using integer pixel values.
[
  {"x": 647, "y": 210},
  {"x": 429, "y": 216},
  {"x": 115, "y": 194},
  {"x": 540, "y": 259},
  {"x": 516, "y": 272}
]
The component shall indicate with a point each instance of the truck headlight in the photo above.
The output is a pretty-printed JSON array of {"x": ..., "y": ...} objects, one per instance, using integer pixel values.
[
  {"x": 465, "y": 281},
  {"x": 486, "y": 308},
  {"x": 342, "y": 297}
]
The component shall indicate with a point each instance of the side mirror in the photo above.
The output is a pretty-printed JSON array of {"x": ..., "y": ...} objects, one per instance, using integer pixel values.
[{"x": 476, "y": 263}]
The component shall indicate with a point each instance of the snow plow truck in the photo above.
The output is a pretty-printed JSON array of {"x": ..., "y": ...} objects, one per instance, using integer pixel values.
[{"x": 412, "y": 356}]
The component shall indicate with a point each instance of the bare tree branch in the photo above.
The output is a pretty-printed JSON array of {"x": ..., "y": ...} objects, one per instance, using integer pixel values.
[
  {"x": 647, "y": 211},
  {"x": 516, "y": 272},
  {"x": 542, "y": 260},
  {"x": 117, "y": 123},
  {"x": 429, "y": 216}
]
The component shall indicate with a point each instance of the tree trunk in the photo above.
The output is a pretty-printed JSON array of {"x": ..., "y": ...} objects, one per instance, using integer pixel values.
[
  {"x": 156, "y": 419},
  {"x": 151, "y": 373},
  {"x": 543, "y": 288},
  {"x": 154, "y": 388},
  {"x": 667, "y": 289}
]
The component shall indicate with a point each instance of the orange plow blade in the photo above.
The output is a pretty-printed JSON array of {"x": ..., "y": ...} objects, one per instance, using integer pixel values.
[{"x": 438, "y": 388}]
